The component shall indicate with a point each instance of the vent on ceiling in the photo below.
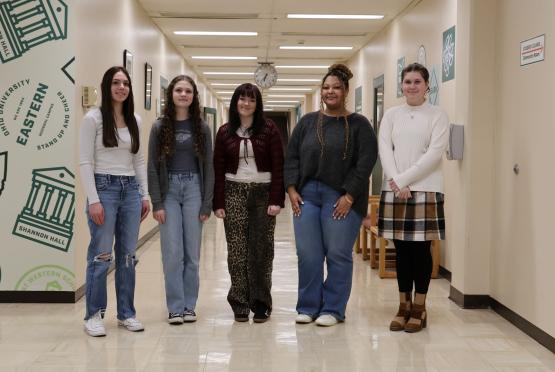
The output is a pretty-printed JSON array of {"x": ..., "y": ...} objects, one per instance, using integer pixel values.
[{"x": 208, "y": 15}]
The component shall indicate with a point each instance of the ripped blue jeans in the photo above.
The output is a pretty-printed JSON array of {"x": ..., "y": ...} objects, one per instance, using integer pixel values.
[{"x": 119, "y": 196}]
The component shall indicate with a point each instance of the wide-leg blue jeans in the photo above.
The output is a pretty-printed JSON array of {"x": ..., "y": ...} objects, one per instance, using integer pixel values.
[
  {"x": 180, "y": 238},
  {"x": 322, "y": 239}
]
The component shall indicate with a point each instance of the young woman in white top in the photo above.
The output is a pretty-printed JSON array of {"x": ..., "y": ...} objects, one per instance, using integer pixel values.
[
  {"x": 113, "y": 173},
  {"x": 412, "y": 140}
]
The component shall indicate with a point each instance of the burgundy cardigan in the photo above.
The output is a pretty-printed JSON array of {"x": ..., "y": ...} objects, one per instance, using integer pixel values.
[{"x": 268, "y": 156}]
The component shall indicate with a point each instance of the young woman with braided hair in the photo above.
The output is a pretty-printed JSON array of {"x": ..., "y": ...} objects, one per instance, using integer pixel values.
[
  {"x": 181, "y": 180},
  {"x": 329, "y": 159}
]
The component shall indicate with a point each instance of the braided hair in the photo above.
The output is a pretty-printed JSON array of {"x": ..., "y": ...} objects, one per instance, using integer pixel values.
[{"x": 343, "y": 73}]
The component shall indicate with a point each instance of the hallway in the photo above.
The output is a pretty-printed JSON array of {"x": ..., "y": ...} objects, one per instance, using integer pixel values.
[{"x": 41, "y": 337}]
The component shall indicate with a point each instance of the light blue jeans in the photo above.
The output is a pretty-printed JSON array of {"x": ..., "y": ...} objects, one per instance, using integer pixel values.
[
  {"x": 320, "y": 238},
  {"x": 180, "y": 237},
  {"x": 119, "y": 196}
]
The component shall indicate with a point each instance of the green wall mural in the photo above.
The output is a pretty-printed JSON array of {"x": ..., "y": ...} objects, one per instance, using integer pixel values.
[
  {"x": 25, "y": 24},
  {"x": 47, "y": 217},
  {"x": 37, "y": 145}
]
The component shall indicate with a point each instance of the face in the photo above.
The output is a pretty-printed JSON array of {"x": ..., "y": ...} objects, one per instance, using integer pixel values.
[
  {"x": 414, "y": 88},
  {"x": 120, "y": 87},
  {"x": 333, "y": 92},
  {"x": 246, "y": 106},
  {"x": 183, "y": 94}
]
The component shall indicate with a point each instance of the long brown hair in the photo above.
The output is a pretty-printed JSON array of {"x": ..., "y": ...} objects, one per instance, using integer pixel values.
[
  {"x": 167, "y": 130},
  {"x": 109, "y": 130}
]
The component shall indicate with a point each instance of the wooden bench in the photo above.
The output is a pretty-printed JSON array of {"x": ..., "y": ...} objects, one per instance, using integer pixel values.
[{"x": 382, "y": 257}]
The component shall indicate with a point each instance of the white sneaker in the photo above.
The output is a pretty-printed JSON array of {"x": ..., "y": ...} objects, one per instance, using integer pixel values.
[
  {"x": 132, "y": 324},
  {"x": 326, "y": 320},
  {"x": 94, "y": 326},
  {"x": 303, "y": 319},
  {"x": 174, "y": 318},
  {"x": 189, "y": 316}
]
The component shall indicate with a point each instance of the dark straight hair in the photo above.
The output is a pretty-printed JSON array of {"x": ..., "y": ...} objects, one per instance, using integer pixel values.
[
  {"x": 109, "y": 130},
  {"x": 258, "y": 122},
  {"x": 167, "y": 131}
]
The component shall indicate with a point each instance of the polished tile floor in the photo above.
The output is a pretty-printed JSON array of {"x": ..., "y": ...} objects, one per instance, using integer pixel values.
[{"x": 44, "y": 338}]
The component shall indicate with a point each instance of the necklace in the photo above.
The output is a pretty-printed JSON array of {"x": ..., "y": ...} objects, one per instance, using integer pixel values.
[
  {"x": 337, "y": 115},
  {"x": 244, "y": 131}
]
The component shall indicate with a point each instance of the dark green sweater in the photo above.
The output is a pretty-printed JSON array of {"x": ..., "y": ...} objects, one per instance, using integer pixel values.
[{"x": 304, "y": 161}]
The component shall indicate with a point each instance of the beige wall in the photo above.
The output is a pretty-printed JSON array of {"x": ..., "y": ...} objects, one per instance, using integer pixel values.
[
  {"x": 105, "y": 28},
  {"x": 498, "y": 223},
  {"x": 522, "y": 252}
]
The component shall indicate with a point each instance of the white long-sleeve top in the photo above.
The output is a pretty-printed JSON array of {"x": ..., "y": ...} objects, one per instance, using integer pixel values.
[
  {"x": 412, "y": 141},
  {"x": 118, "y": 161}
]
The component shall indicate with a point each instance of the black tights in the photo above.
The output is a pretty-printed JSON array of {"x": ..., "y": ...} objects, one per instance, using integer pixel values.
[{"x": 414, "y": 265}]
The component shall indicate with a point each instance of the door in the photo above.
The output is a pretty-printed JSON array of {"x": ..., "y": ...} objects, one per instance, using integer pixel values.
[{"x": 377, "y": 173}]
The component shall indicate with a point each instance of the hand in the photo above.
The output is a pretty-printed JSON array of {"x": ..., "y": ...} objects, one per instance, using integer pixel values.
[
  {"x": 367, "y": 222},
  {"x": 404, "y": 193},
  {"x": 204, "y": 217},
  {"x": 160, "y": 216},
  {"x": 296, "y": 201},
  {"x": 273, "y": 210},
  {"x": 145, "y": 209},
  {"x": 220, "y": 213},
  {"x": 393, "y": 186},
  {"x": 96, "y": 212},
  {"x": 342, "y": 208}
]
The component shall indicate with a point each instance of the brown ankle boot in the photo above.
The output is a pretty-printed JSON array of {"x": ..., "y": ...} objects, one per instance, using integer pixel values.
[
  {"x": 418, "y": 319},
  {"x": 403, "y": 313}
]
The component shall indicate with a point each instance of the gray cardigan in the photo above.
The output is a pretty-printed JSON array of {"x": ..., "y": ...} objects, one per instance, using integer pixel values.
[{"x": 158, "y": 172}]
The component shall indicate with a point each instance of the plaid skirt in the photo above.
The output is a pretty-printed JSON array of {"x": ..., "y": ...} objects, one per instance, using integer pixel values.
[{"x": 416, "y": 219}]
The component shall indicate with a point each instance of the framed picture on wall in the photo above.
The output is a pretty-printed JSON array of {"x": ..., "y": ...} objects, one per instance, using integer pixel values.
[
  {"x": 128, "y": 62},
  {"x": 210, "y": 119},
  {"x": 163, "y": 90},
  {"x": 148, "y": 86}
]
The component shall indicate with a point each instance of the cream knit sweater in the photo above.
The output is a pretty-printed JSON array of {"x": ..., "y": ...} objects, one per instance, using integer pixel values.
[{"x": 412, "y": 140}]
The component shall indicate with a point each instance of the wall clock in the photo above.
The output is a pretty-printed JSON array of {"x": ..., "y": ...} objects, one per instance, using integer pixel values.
[{"x": 265, "y": 75}]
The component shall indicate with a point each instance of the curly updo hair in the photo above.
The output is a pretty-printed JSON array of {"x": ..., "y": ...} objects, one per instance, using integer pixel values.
[{"x": 344, "y": 74}]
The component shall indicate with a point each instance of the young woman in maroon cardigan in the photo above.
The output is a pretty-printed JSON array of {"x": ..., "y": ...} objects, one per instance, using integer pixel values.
[{"x": 248, "y": 195}]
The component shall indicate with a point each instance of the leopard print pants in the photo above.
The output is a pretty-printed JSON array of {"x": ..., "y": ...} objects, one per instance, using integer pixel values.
[{"x": 249, "y": 232}]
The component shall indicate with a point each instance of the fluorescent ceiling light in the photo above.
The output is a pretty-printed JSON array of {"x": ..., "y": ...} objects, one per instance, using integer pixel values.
[
  {"x": 291, "y": 89},
  {"x": 282, "y": 101},
  {"x": 300, "y": 66},
  {"x": 285, "y": 96},
  {"x": 280, "y": 105},
  {"x": 298, "y": 79},
  {"x": 223, "y": 57},
  {"x": 315, "y": 47},
  {"x": 225, "y": 92},
  {"x": 335, "y": 16},
  {"x": 226, "y": 84},
  {"x": 215, "y": 33},
  {"x": 228, "y": 73}
]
